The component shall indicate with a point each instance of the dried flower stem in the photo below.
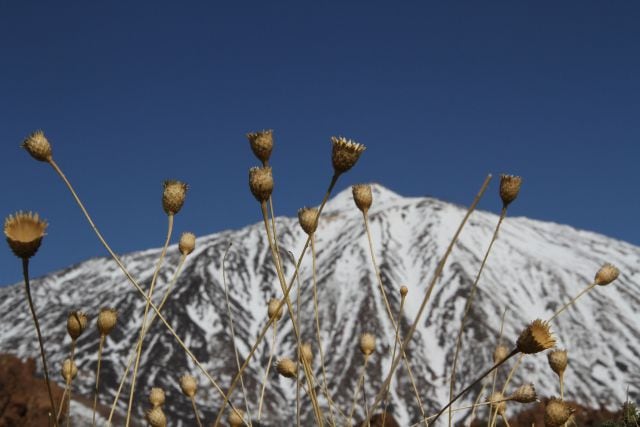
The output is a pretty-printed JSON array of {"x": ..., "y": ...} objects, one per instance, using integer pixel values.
[
  {"x": 266, "y": 372},
  {"x": 68, "y": 385},
  {"x": 477, "y": 403},
  {"x": 25, "y": 273},
  {"x": 357, "y": 390},
  {"x": 318, "y": 335},
  {"x": 195, "y": 411},
  {"x": 144, "y": 317},
  {"x": 134, "y": 351},
  {"x": 131, "y": 279},
  {"x": 495, "y": 373},
  {"x": 334, "y": 180},
  {"x": 435, "y": 278},
  {"x": 573, "y": 300},
  {"x": 504, "y": 418},
  {"x": 467, "y": 308},
  {"x": 506, "y": 384},
  {"x": 231, "y": 327},
  {"x": 97, "y": 389}
]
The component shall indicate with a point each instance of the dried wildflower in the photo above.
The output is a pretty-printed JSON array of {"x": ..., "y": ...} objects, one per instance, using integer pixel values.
[
  {"x": 173, "y": 196},
  {"x": 535, "y": 338},
  {"x": 307, "y": 217},
  {"x": 261, "y": 183},
  {"x": 24, "y": 233},
  {"x": 286, "y": 367},
  {"x": 69, "y": 370},
  {"x": 556, "y": 412},
  {"x": 188, "y": 385},
  {"x": 362, "y": 196},
  {"x": 107, "y": 320},
  {"x": 607, "y": 274},
  {"x": 236, "y": 418},
  {"x": 156, "y": 417},
  {"x": 524, "y": 394},
  {"x": 187, "y": 243},
  {"x": 500, "y": 353},
  {"x": 274, "y": 309},
  {"x": 76, "y": 324},
  {"x": 345, "y": 153},
  {"x": 306, "y": 353},
  {"x": 403, "y": 291},
  {"x": 558, "y": 361},
  {"x": 509, "y": 188},
  {"x": 156, "y": 396},
  {"x": 38, "y": 146},
  {"x": 367, "y": 344},
  {"x": 261, "y": 144},
  {"x": 498, "y": 403}
]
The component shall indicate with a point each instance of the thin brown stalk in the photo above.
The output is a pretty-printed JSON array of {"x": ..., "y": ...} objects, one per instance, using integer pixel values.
[
  {"x": 495, "y": 373},
  {"x": 504, "y": 418},
  {"x": 131, "y": 279},
  {"x": 25, "y": 273},
  {"x": 195, "y": 411},
  {"x": 299, "y": 357},
  {"x": 97, "y": 389},
  {"x": 68, "y": 385},
  {"x": 476, "y": 403},
  {"x": 506, "y": 384},
  {"x": 233, "y": 334},
  {"x": 134, "y": 351},
  {"x": 266, "y": 372},
  {"x": 454, "y": 365},
  {"x": 144, "y": 317},
  {"x": 436, "y": 276},
  {"x": 262, "y": 334},
  {"x": 357, "y": 390},
  {"x": 571, "y": 302}
]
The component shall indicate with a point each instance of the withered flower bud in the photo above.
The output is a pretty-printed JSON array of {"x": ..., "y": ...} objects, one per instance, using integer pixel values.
[
  {"x": 273, "y": 310},
  {"x": 558, "y": 361},
  {"x": 156, "y": 396},
  {"x": 524, "y": 394},
  {"x": 38, "y": 146},
  {"x": 69, "y": 370},
  {"x": 535, "y": 338},
  {"x": 261, "y": 183},
  {"x": 362, "y": 196},
  {"x": 286, "y": 367},
  {"x": 367, "y": 344},
  {"x": 156, "y": 417},
  {"x": 261, "y": 144},
  {"x": 307, "y": 217},
  {"x": 345, "y": 153},
  {"x": 236, "y": 418},
  {"x": 173, "y": 196},
  {"x": 24, "y": 233},
  {"x": 188, "y": 385},
  {"x": 607, "y": 274},
  {"x": 556, "y": 412},
  {"x": 500, "y": 353},
  {"x": 76, "y": 324},
  {"x": 403, "y": 291},
  {"x": 187, "y": 243},
  {"x": 106, "y": 320},
  {"x": 509, "y": 188},
  {"x": 306, "y": 353}
]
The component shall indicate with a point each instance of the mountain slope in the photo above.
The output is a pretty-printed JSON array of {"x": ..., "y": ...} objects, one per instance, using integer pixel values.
[{"x": 533, "y": 269}]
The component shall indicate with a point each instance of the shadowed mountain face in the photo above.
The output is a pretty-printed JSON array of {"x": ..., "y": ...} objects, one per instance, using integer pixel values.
[{"x": 533, "y": 269}]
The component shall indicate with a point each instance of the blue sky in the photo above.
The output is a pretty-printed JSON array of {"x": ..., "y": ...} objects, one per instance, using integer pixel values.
[{"x": 442, "y": 93}]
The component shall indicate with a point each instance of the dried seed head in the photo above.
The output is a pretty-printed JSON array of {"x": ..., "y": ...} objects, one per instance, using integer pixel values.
[
  {"x": 38, "y": 146},
  {"x": 306, "y": 353},
  {"x": 498, "y": 403},
  {"x": 524, "y": 394},
  {"x": 556, "y": 412},
  {"x": 187, "y": 243},
  {"x": 156, "y": 396},
  {"x": 69, "y": 370},
  {"x": 24, "y": 233},
  {"x": 236, "y": 418},
  {"x": 535, "y": 338},
  {"x": 156, "y": 417},
  {"x": 261, "y": 183},
  {"x": 345, "y": 153},
  {"x": 76, "y": 324},
  {"x": 274, "y": 309},
  {"x": 188, "y": 385},
  {"x": 403, "y": 291},
  {"x": 173, "y": 196},
  {"x": 607, "y": 274},
  {"x": 509, "y": 188},
  {"x": 500, "y": 353},
  {"x": 107, "y": 320},
  {"x": 286, "y": 367},
  {"x": 307, "y": 217},
  {"x": 261, "y": 144},
  {"x": 367, "y": 344},
  {"x": 558, "y": 361},
  {"x": 362, "y": 196}
]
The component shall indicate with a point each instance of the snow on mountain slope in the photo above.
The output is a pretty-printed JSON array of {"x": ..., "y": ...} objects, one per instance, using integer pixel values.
[{"x": 533, "y": 269}]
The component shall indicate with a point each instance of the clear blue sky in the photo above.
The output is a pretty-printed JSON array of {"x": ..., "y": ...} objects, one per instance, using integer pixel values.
[{"x": 132, "y": 93}]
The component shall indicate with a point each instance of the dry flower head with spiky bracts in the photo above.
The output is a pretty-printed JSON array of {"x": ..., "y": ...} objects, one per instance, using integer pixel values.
[
  {"x": 76, "y": 324},
  {"x": 308, "y": 219},
  {"x": 261, "y": 183},
  {"x": 558, "y": 361},
  {"x": 156, "y": 396},
  {"x": 345, "y": 153},
  {"x": 535, "y": 338},
  {"x": 509, "y": 188},
  {"x": 261, "y": 144},
  {"x": 286, "y": 367},
  {"x": 607, "y": 274},
  {"x": 556, "y": 412},
  {"x": 24, "y": 232},
  {"x": 524, "y": 394},
  {"x": 362, "y": 196},
  {"x": 156, "y": 417},
  {"x": 107, "y": 319},
  {"x": 38, "y": 146},
  {"x": 187, "y": 243},
  {"x": 173, "y": 196}
]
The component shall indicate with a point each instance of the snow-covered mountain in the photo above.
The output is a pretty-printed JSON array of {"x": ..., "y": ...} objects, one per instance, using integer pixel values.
[{"x": 533, "y": 269}]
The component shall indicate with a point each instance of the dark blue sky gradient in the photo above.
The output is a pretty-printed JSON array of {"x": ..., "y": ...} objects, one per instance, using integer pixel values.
[{"x": 442, "y": 93}]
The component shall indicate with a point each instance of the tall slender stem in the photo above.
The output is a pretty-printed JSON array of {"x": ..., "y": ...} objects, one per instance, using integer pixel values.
[
  {"x": 454, "y": 365},
  {"x": 97, "y": 389},
  {"x": 195, "y": 411},
  {"x": 436, "y": 276},
  {"x": 357, "y": 390},
  {"x": 144, "y": 317},
  {"x": 495, "y": 373},
  {"x": 573, "y": 300},
  {"x": 266, "y": 372},
  {"x": 25, "y": 273}
]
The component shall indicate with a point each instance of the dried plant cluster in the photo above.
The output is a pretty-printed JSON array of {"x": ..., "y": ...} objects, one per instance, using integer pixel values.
[{"x": 25, "y": 231}]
